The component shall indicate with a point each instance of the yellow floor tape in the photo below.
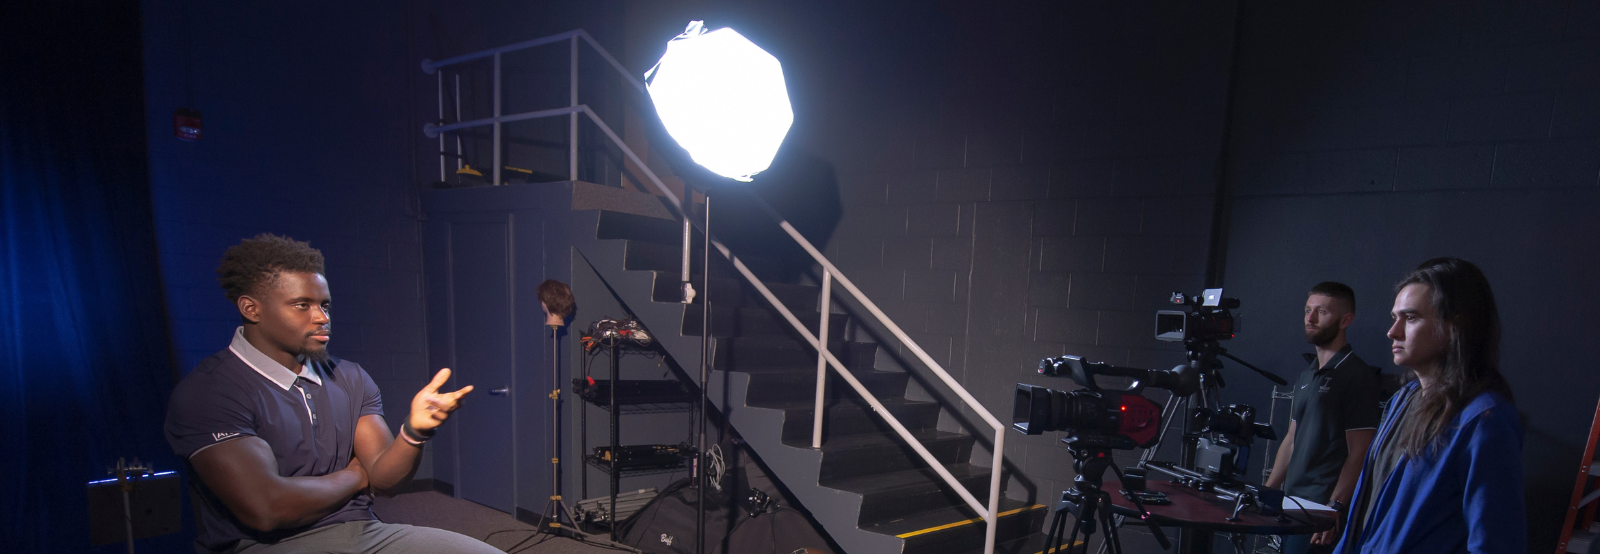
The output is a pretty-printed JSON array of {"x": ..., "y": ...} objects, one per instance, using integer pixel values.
[
  {"x": 1075, "y": 544},
  {"x": 967, "y": 522}
]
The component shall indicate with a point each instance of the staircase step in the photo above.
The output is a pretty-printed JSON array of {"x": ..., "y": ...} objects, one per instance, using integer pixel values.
[
  {"x": 740, "y": 353},
  {"x": 775, "y": 385},
  {"x": 655, "y": 256},
  {"x": 625, "y": 226},
  {"x": 852, "y": 456},
  {"x": 1031, "y": 544},
  {"x": 668, "y": 287},
  {"x": 726, "y": 291},
  {"x": 850, "y": 415},
  {"x": 890, "y": 496},
  {"x": 957, "y": 529},
  {"x": 758, "y": 321}
]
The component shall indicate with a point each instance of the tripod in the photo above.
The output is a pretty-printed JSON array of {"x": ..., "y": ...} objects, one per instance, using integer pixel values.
[{"x": 1091, "y": 504}]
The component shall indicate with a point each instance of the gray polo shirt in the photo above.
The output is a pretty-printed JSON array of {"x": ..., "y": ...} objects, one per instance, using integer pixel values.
[
  {"x": 308, "y": 417},
  {"x": 1329, "y": 400}
]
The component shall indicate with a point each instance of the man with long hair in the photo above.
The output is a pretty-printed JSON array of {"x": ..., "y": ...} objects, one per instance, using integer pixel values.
[{"x": 1445, "y": 472}]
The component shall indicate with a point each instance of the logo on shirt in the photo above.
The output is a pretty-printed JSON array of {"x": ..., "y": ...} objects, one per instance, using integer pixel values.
[
  {"x": 1327, "y": 385},
  {"x": 219, "y": 437}
]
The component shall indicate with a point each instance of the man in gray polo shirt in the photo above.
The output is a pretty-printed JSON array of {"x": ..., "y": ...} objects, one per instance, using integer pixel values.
[
  {"x": 1333, "y": 417},
  {"x": 286, "y": 444}
]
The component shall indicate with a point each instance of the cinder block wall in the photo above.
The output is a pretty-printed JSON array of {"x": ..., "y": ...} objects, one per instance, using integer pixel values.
[
  {"x": 1371, "y": 136},
  {"x": 1040, "y": 190}
]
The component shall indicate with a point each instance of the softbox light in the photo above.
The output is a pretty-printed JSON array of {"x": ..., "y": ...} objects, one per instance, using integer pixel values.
[{"x": 723, "y": 99}]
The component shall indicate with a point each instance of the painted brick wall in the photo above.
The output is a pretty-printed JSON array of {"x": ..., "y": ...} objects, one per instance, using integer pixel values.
[{"x": 1039, "y": 193}]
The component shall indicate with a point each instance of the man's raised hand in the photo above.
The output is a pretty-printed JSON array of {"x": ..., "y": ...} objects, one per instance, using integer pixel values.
[{"x": 431, "y": 407}]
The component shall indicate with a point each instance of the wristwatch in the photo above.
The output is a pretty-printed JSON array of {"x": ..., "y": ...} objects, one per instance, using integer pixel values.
[{"x": 1341, "y": 508}]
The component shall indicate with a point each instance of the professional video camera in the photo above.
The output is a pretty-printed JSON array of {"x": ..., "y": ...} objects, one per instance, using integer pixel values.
[
  {"x": 1097, "y": 419},
  {"x": 1225, "y": 438},
  {"x": 1094, "y": 416},
  {"x": 1208, "y": 320}
]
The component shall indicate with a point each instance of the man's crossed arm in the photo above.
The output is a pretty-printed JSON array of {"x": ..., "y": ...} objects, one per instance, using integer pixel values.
[{"x": 244, "y": 473}]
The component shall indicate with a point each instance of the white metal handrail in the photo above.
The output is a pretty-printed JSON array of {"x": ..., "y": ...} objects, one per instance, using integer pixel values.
[
  {"x": 432, "y": 67},
  {"x": 825, "y": 358}
]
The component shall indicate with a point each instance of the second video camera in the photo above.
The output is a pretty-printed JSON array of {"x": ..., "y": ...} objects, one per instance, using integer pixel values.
[{"x": 1121, "y": 419}]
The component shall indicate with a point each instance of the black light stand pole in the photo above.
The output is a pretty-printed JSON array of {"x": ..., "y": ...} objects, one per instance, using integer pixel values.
[{"x": 705, "y": 377}]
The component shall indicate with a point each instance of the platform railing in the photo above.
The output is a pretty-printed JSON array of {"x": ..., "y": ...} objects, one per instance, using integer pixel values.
[{"x": 830, "y": 273}]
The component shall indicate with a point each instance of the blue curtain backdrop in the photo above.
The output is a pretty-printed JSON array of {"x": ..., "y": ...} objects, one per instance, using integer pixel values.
[{"x": 84, "y": 354}]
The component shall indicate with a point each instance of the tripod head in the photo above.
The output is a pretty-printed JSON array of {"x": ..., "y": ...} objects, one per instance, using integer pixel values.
[{"x": 1091, "y": 460}]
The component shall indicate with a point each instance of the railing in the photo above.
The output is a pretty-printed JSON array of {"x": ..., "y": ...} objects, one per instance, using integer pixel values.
[{"x": 830, "y": 273}]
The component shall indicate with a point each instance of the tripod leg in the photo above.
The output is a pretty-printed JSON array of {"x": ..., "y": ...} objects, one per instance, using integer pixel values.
[
  {"x": 1052, "y": 540},
  {"x": 1112, "y": 535},
  {"x": 1085, "y": 512}
]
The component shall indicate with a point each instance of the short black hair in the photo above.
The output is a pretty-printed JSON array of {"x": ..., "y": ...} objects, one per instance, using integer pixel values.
[
  {"x": 254, "y": 263},
  {"x": 1336, "y": 290}
]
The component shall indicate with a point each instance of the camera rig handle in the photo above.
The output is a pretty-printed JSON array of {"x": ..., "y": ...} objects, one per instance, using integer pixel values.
[
  {"x": 1182, "y": 380},
  {"x": 1264, "y": 373}
]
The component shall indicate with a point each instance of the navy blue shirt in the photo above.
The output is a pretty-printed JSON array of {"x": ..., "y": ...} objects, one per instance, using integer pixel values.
[{"x": 307, "y": 417}]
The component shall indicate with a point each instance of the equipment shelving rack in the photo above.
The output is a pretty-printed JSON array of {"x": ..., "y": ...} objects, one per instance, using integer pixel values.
[{"x": 615, "y": 408}]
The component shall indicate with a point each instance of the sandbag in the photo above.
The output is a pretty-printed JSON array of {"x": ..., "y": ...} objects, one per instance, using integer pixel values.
[{"x": 667, "y": 524}]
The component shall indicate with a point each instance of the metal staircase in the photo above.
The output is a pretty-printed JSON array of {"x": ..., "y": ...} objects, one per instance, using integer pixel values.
[
  {"x": 867, "y": 487},
  {"x": 871, "y": 467}
]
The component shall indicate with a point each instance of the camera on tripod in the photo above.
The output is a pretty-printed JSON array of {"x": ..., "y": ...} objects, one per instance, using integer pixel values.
[
  {"x": 1094, "y": 416},
  {"x": 1096, "y": 419},
  {"x": 1208, "y": 320},
  {"x": 1225, "y": 438}
]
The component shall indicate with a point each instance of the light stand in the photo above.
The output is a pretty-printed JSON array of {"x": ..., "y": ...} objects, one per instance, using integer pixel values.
[
  {"x": 723, "y": 99},
  {"x": 127, "y": 474},
  {"x": 705, "y": 377},
  {"x": 133, "y": 503}
]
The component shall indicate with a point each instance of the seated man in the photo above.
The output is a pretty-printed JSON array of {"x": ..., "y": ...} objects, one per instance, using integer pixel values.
[{"x": 286, "y": 444}]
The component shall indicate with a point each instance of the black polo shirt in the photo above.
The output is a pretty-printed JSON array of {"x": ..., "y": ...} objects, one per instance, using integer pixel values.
[
  {"x": 1340, "y": 396},
  {"x": 307, "y": 417}
]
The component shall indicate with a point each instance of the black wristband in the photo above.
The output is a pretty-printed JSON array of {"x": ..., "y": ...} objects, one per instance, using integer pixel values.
[{"x": 415, "y": 436}]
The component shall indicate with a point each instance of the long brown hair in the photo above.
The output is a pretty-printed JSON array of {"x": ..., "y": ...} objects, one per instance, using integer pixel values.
[{"x": 1465, "y": 306}]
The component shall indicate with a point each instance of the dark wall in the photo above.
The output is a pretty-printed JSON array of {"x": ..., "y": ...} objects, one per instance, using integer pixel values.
[
  {"x": 1039, "y": 194},
  {"x": 1372, "y": 136},
  {"x": 308, "y": 134}
]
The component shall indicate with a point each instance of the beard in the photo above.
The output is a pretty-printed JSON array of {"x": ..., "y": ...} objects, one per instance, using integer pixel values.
[
  {"x": 1321, "y": 336},
  {"x": 316, "y": 353}
]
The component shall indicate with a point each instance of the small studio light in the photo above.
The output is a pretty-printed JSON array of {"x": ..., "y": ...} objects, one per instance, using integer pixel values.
[{"x": 723, "y": 99}]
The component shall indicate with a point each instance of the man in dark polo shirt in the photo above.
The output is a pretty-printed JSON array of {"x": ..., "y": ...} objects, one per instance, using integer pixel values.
[
  {"x": 1333, "y": 417},
  {"x": 286, "y": 444}
]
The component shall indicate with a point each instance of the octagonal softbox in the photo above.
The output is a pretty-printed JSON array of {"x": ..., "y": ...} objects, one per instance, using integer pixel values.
[{"x": 723, "y": 99}]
